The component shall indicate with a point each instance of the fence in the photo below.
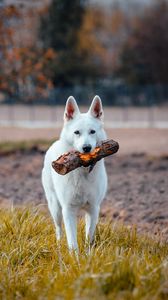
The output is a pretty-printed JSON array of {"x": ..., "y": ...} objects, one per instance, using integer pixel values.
[
  {"x": 35, "y": 116},
  {"x": 112, "y": 94},
  {"x": 125, "y": 106}
]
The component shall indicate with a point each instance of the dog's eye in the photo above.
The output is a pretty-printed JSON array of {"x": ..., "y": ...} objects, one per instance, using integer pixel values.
[
  {"x": 92, "y": 131},
  {"x": 77, "y": 132}
]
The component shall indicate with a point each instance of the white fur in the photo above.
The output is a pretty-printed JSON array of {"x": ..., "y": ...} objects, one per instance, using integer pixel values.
[{"x": 67, "y": 194}]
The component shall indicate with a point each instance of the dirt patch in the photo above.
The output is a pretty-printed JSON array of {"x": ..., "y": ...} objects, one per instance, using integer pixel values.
[
  {"x": 151, "y": 141},
  {"x": 137, "y": 193}
]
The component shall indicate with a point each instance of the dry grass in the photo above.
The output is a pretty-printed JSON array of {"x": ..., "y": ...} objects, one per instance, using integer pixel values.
[
  {"x": 121, "y": 265},
  {"x": 12, "y": 147}
]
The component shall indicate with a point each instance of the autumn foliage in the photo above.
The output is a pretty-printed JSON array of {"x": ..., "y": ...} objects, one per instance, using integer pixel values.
[
  {"x": 56, "y": 48},
  {"x": 144, "y": 58},
  {"x": 22, "y": 68}
]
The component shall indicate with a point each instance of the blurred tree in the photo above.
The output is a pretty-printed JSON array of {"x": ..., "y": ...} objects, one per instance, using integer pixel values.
[
  {"x": 25, "y": 72},
  {"x": 61, "y": 30},
  {"x": 7, "y": 13},
  {"x": 90, "y": 46},
  {"x": 144, "y": 58},
  {"x": 118, "y": 27},
  {"x": 60, "y": 26}
]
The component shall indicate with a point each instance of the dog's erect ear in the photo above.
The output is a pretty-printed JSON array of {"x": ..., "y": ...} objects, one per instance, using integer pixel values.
[
  {"x": 96, "y": 109},
  {"x": 71, "y": 109}
]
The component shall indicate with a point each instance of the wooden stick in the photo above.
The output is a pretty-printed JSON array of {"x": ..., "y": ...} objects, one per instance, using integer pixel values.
[{"x": 74, "y": 159}]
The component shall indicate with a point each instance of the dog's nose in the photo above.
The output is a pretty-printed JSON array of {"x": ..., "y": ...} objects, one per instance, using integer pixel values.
[{"x": 87, "y": 148}]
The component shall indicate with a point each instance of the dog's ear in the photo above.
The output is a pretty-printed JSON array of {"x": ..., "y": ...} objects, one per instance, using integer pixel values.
[
  {"x": 71, "y": 109},
  {"x": 96, "y": 109}
]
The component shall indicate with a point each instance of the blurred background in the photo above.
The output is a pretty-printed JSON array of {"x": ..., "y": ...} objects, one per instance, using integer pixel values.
[{"x": 51, "y": 49}]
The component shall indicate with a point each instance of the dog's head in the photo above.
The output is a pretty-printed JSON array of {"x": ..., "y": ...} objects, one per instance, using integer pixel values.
[{"x": 82, "y": 131}]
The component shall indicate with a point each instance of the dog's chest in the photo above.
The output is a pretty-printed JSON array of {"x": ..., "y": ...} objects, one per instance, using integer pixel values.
[{"x": 81, "y": 187}]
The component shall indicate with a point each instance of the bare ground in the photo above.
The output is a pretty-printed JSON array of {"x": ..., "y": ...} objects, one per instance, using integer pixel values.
[
  {"x": 151, "y": 141},
  {"x": 138, "y": 176},
  {"x": 138, "y": 180}
]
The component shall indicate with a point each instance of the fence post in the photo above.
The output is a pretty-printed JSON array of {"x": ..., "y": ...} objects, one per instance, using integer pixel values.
[
  {"x": 11, "y": 114},
  {"x": 150, "y": 107},
  {"x": 31, "y": 112}
]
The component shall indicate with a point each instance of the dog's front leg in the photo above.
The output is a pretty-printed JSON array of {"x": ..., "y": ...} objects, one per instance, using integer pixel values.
[
  {"x": 91, "y": 219},
  {"x": 70, "y": 222}
]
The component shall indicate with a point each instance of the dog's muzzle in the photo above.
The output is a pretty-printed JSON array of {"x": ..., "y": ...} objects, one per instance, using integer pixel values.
[{"x": 86, "y": 148}]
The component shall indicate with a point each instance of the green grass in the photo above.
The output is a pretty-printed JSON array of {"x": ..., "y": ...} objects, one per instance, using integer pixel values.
[{"x": 122, "y": 265}]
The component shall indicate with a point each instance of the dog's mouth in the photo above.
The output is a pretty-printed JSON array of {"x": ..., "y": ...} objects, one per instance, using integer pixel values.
[{"x": 86, "y": 148}]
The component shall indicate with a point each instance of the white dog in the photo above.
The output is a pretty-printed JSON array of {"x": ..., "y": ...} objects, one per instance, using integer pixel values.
[{"x": 67, "y": 194}]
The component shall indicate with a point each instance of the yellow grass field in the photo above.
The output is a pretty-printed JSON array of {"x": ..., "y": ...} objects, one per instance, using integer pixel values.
[{"x": 121, "y": 265}]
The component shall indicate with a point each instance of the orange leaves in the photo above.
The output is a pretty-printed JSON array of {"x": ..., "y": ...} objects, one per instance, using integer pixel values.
[
  {"x": 41, "y": 78},
  {"x": 38, "y": 66},
  {"x": 50, "y": 54},
  {"x": 117, "y": 21},
  {"x": 11, "y": 11},
  {"x": 16, "y": 54},
  {"x": 3, "y": 85},
  {"x": 26, "y": 64},
  {"x": 22, "y": 67},
  {"x": 88, "y": 41},
  {"x": 9, "y": 31}
]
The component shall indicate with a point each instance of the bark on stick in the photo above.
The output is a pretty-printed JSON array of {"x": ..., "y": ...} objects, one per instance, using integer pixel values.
[{"x": 74, "y": 159}]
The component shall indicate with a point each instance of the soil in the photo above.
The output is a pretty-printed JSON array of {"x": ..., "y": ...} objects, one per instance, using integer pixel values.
[
  {"x": 137, "y": 193},
  {"x": 132, "y": 140}
]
